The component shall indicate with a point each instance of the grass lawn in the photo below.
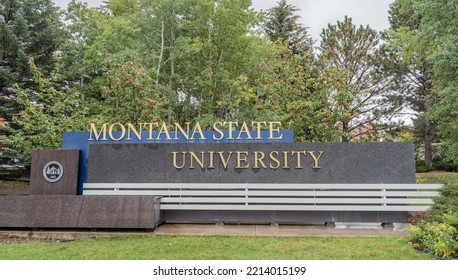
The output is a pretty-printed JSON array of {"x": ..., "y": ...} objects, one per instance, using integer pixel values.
[
  {"x": 437, "y": 178},
  {"x": 216, "y": 247}
]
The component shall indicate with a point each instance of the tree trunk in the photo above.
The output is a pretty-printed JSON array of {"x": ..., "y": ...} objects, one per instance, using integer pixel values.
[
  {"x": 344, "y": 129},
  {"x": 172, "y": 73},
  {"x": 428, "y": 141},
  {"x": 161, "y": 54}
]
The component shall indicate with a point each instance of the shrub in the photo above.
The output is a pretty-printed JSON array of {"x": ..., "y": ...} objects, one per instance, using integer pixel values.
[
  {"x": 421, "y": 167},
  {"x": 438, "y": 235},
  {"x": 439, "y": 239},
  {"x": 445, "y": 204}
]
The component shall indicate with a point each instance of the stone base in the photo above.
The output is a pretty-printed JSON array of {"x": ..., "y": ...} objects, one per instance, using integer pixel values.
[
  {"x": 282, "y": 217},
  {"x": 79, "y": 212}
]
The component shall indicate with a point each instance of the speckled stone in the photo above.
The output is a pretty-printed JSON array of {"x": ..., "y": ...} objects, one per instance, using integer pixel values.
[
  {"x": 85, "y": 212},
  {"x": 340, "y": 163},
  {"x": 67, "y": 185}
]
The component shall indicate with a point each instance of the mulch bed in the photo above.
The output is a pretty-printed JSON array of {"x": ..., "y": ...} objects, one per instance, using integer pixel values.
[{"x": 12, "y": 239}]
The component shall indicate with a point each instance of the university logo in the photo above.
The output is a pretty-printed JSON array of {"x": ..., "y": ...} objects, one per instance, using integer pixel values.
[{"x": 53, "y": 171}]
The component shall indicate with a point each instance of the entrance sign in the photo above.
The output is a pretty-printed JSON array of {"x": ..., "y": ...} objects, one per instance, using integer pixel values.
[
  {"x": 127, "y": 176},
  {"x": 324, "y": 163}
]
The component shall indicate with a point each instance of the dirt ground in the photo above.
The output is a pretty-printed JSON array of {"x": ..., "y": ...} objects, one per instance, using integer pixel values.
[
  {"x": 14, "y": 187},
  {"x": 11, "y": 239}
]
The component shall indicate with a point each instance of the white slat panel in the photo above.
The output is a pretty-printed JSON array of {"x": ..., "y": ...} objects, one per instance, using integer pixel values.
[
  {"x": 292, "y": 207},
  {"x": 280, "y": 197},
  {"x": 262, "y": 193},
  {"x": 88, "y": 186},
  {"x": 215, "y": 200}
]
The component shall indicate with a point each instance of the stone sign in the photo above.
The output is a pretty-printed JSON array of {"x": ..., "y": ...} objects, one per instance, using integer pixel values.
[{"x": 326, "y": 163}]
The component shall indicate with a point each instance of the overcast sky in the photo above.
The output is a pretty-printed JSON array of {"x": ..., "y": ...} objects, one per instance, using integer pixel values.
[{"x": 316, "y": 14}]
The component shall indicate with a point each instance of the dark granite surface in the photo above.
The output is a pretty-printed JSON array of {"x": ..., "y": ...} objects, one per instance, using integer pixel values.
[
  {"x": 67, "y": 185},
  {"x": 64, "y": 211},
  {"x": 340, "y": 163}
]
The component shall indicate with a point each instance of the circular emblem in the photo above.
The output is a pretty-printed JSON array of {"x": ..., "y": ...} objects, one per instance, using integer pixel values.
[{"x": 53, "y": 171}]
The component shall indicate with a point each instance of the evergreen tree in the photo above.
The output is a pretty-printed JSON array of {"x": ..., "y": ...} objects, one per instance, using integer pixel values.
[
  {"x": 282, "y": 24},
  {"x": 28, "y": 29},
  {"x": 356, "y": 50}
]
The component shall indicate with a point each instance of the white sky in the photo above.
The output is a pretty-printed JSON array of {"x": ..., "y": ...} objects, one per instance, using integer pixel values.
[{"x": 316, "y": 14}]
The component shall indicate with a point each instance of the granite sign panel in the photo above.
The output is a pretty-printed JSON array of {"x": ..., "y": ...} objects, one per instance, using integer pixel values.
[{"x": 339, "y": 163}]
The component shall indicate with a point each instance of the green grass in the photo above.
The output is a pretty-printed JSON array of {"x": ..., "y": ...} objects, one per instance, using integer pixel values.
[
  {"x": 216, "y": 247},
  {"x": 14, "y": 187},
  {"x": 437, "y": 178}
]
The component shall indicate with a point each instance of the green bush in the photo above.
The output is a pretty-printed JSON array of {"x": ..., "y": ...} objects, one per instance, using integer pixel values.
[
  {"x": 439, "y": 234},
  {"x": 439, "y": 239},
  {"x": 444, "y": 165},
  {"x": 437, "y": 164},
  {"x": 445, "y": 204}
]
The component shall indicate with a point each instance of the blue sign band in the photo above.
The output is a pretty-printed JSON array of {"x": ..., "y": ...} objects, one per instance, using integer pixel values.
[{"x": 79, "y": 141}]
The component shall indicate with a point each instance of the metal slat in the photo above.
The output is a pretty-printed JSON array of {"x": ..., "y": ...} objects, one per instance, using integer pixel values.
[
  {"x": 263, "y": 193},
  {"x": 274, "y": 200},
  {"x": 292, "y": 207},
  {"x": 89, "y": 186}
]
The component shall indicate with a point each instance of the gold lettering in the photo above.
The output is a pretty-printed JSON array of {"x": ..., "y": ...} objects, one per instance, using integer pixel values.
[
  {"x": 110, "y": 131},
  {"x": 183, "y": 132},
  {"x": 219, "y": 131},
  {"x": 230, "y": 129},
  {"x": 211, "y": 163},
  {"x": 150, "y": 129},
  {"x": 285, "y": 160},
  {"x": 274, "y": 159},
  {"x": 200, "y": 161},
  {"x": 258, "y": 128},
  {"x": 164, "y": 130},
  {"x": 103, "y": 132},
  {"x": 258, "y": 157},
  {"x": 273, "y": 129},
  {"x": 138, "y": 133},
  {"x": 298, "y": 153},
  {"x": 223, "y": 160},
  {"x": 240, "y": 160},
  {"x": 316, "y": 165},
  {"x": 198, "y": 129},
  {"x": 183, "y": 160},
  {"x": 244, "y": 129}
]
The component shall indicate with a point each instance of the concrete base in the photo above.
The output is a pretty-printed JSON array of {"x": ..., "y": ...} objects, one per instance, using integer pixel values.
[
  {"x": 79, "y": 212},
  {"x": 267, "y": 230}
]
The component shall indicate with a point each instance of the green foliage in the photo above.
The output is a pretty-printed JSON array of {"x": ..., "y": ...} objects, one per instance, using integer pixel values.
[
  {"x": 439, "y": 27},
  {"x": 281, "y": 24},
  {"x": 438, "y": 233},
  {"x": 311, "y": 106},
  {"x": 412, "y": 71},
  {"x": 47, "y": 113},
  {"x": 128, "y": 92},
  {"x": 356, "y": 51},
  {"x": 446, "y": 203},
  {"x": 28, "y": 29},
  {"x": 439, "y": 239}
]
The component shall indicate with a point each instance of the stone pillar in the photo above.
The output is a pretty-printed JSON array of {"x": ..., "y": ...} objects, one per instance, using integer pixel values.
[{"x": 54, "y": 172}]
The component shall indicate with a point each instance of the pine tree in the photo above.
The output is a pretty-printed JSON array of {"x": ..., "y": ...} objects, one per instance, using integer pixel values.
[
  {"x": 28, "y": 29},
  {"x": 282, "y": 24},
  {"x": 356, "y": 50}
]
